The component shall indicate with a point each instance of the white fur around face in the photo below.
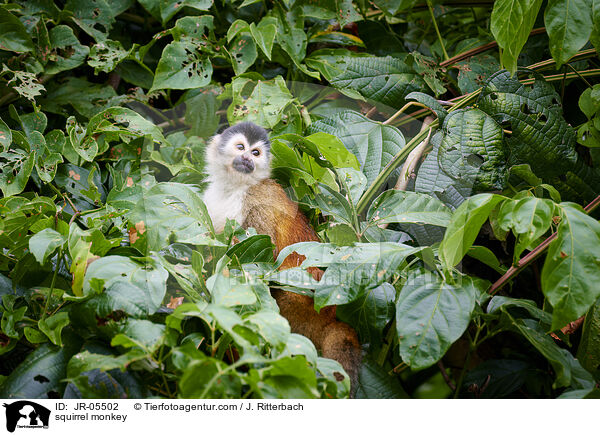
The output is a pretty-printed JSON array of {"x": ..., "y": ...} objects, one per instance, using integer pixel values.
[{"x": 224, "y": 196}]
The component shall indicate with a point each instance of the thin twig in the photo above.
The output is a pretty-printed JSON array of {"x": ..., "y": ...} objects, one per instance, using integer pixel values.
[{"x": 445, "y": 376}]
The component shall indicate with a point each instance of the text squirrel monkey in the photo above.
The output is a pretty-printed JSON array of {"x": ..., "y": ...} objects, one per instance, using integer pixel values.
[{"x": 238, "y": 167}]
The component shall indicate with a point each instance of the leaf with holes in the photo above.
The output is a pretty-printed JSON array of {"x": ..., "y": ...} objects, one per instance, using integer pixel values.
[
  {"x": 181, "y": 67},
  {"x": 472, "y": 150},
  {"x": 66, "y": 51},
  {"x": 258, "y": 101},
  {"x": 533, "y": 114},
  {"x": 16, "y": 168},
  {"x": 243, "y": 53},
  {"x": 106, "y": 55}
]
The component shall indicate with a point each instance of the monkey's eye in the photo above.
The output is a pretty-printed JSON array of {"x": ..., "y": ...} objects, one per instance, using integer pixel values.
[
  {"x": 240, "y": 147},
  {"x": 256, "y": 153}
]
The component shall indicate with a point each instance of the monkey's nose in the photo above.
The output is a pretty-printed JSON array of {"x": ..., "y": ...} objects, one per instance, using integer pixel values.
[{"x": 243, "y": 164}]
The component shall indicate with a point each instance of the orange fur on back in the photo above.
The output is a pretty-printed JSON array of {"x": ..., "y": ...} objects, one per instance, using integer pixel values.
[{"x": 268, "y": 209}]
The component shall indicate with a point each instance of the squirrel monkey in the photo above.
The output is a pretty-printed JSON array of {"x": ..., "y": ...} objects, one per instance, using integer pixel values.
[{"x": 238, "y": 167}]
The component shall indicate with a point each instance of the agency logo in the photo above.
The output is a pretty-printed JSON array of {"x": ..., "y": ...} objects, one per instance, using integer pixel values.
[{"x": 24, "y": 414}]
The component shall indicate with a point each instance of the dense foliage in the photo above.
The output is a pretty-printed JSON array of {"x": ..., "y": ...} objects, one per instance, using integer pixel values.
[{"x": 464, "y": 248}]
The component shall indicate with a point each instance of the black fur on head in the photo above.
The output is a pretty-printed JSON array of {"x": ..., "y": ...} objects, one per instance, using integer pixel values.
[{"x": 253, "y": 133}]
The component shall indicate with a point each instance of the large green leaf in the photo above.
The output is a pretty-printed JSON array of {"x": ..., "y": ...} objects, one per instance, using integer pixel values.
[
  {"x": 464, "y": 227},
  {"x": 529, "y": 218},
  {"x": 539, "y": 134},
  {"x": 571, "y": 273},
  {"x": 16, "y": 169},
  {"x": 350, "y": 269},
  {"x": 135, "y": 288},
  {"x": 472, "y": 149},
  {"x": 67, "y": 52},
  {"x": 569, "y": 25},
  {"x": 13, "y": 35},
  {"x": 407, "y": 207},
  {"x": 511, "y": 22},
  {"x": 45, "y": 243},
  {"x": 181, "y": 67},
  {"x": 170, "y": 212},
  {"x": 373, "y": 143},
  {"x": 258, "y": 101},
  {"x": 40, "y": 375},
  {"x": 430, "y": 316},
  {"x": 384, "y": 79}
]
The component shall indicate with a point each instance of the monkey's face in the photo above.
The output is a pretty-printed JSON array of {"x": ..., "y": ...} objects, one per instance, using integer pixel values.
[{"x": 241, "y": 153}]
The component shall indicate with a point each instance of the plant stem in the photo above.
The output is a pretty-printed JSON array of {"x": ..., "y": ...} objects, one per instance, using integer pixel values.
[
  {"x": 399, "y": 158},
  {"x": 58, "y": 262},
  {"x": 437, "y": 30},
  {"x": 389, "y": 339},
  {"x": 472, "y": 347}
]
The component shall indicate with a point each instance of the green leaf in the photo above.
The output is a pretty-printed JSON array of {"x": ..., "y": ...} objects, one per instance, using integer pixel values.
[
  {"x": 96, "y": 17},
  {"x": 264, "y": 35},
  {"x": 170, "y": 212},
  {"x": 181, "y": 67},
  {"x": 430, "y": 102},
  {"x": 511, "y": 23},
  {"x": 258, "y": 101},
  {"x": 41, "y": 373},
  {"x": 168, "y": 8},
  {"x": 243, "y": 53},
  {"x": 67, "y": 52},
  {"x": 371, "y": 313},
  {"x": 373, "y": 144},
  {"x": 254, "y": 249},
  {"x": 569, "y": 25},
  {"x": 539, "y": 134},
  {"x": 13, "y": 35},
  {"x": 430, "y": 316},
  {"x": 332, "y": 203},
  {"x": 45, "y": 243},
  {"x": 16, "y": 169},
  {"x": 529, "y": 218},
  {"x": 137, "y": 289},
  {"x": 384, "y": 79},
  {"x": 5, "y": 136},
  {"x": 568, "y": 370},
  {"x": 106, "y": 55},
  {"x": 472, "y": 149},
  {"x": 571, "y": 269},
  {"x": 588, "y": 352},
  {"x": 140, "y": 333},
  {"x": 350, "y": 269},
  {"x": 52, "y": 326},
  {"x": 407, "y": 207},
  {"x": 464, "y": 227}
]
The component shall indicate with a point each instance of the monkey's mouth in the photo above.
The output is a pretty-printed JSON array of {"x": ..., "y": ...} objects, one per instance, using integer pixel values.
[{"x": 245, "y": 166}]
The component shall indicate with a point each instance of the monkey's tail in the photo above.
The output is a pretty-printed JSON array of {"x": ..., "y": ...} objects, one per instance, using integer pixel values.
[{"x": 340, "y": 343}]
